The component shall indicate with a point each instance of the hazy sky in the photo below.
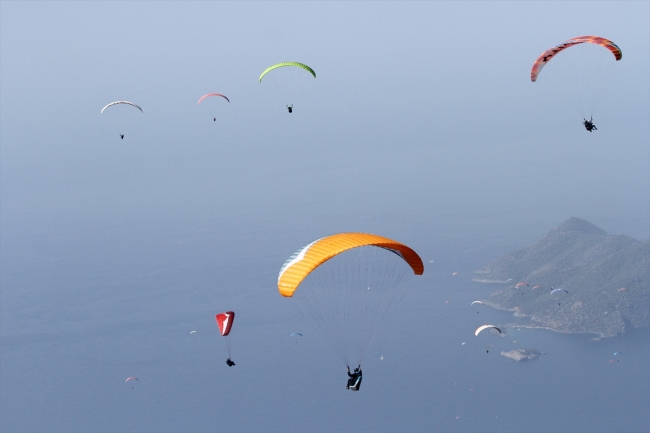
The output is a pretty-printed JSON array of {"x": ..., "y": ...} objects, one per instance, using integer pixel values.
[{"x": 422, "y": 125}]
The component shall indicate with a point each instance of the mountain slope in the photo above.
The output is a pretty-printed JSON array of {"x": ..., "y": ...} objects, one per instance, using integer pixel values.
[{"x": 592, "y": 266}]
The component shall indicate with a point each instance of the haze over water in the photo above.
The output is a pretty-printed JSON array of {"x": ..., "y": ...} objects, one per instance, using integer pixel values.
[{"x": 422, "y": 125}]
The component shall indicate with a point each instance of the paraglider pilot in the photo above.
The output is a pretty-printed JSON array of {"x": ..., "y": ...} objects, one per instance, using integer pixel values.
[
  {"x": 229, "y": 362},
  {"x": 589, "y": 124},
  {"x": 290, "y": 108},
  {"x": 122, "y": 136},
  {"x": 354, "y": 381}
]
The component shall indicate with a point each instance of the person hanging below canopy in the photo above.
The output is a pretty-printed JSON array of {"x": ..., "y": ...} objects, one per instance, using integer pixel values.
[
  {"x": 589, "y": 125},
  {"x": 354, "y": 381}
]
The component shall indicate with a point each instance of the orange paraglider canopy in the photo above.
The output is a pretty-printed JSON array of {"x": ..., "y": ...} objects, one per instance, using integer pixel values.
[{"x": 308, "y": 258}]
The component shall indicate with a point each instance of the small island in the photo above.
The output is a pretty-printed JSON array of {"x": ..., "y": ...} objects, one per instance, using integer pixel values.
[
  {"x": 605, "y": 281},
  {"x": 521, "y": 354}
]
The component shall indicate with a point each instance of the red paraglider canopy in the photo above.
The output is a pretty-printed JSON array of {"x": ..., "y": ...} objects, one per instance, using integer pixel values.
[{"x": 224, "y": 321}]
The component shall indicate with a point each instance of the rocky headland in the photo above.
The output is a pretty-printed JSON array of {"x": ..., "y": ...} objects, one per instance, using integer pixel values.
[
  {"x": 607, "y": 278},
  {"x": 522, "y": 354}
]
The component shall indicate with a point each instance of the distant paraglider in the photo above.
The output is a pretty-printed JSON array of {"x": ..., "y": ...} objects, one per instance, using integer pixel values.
[
  {"x": 483, "y": 327},
  {"x": 224, "y": 322},
  {"x": 521, "y": 284},
  {"x": 121, "y": 103},
  {"x": 208, "y": 95},
  {"x": 129, "y": 379},
  {"x": 558, "y": 290},
  {"x": 285, "y": 64}
]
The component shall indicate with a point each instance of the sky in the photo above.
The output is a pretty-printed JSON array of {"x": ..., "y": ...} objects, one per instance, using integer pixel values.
[{"x": 421, "y": 125}]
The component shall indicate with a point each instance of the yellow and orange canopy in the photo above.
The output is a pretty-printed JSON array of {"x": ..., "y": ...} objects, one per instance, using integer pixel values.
[{"x": 305, "y": 260}]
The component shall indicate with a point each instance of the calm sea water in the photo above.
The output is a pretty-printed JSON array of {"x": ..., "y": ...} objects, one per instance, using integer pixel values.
[{"x": 84, "y": 308}]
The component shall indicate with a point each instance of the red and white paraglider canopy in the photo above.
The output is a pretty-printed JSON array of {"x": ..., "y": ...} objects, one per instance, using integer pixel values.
[{"x": 224, "y": 322}]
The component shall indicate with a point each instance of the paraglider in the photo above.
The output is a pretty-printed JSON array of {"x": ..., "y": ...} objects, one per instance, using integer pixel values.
[
  {"x": 521, "y": 284},
  {"x": 208, "y": 95},
  {"x": 454, "y": 274},
  {"x": 224, "y": 322},
  {"x": 558, "y": 290},
  {"x": 581, "y": 73},
  {"x": 477, "y": 302},
  {"x": 623, "y": 289},
  {"x": 482, "y": 327},
  {"x": 329, "y": 279},
  {"x": 285, "y": 64},
  {"x": 120, "y": 103},
  {"x": 537, "y": 287},
  {"x": 192, "y": 332},
  {"x": 128, "y": 379}
]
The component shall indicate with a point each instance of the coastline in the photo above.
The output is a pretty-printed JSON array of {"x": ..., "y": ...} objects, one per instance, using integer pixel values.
[{"x": 533, "y": 325}]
